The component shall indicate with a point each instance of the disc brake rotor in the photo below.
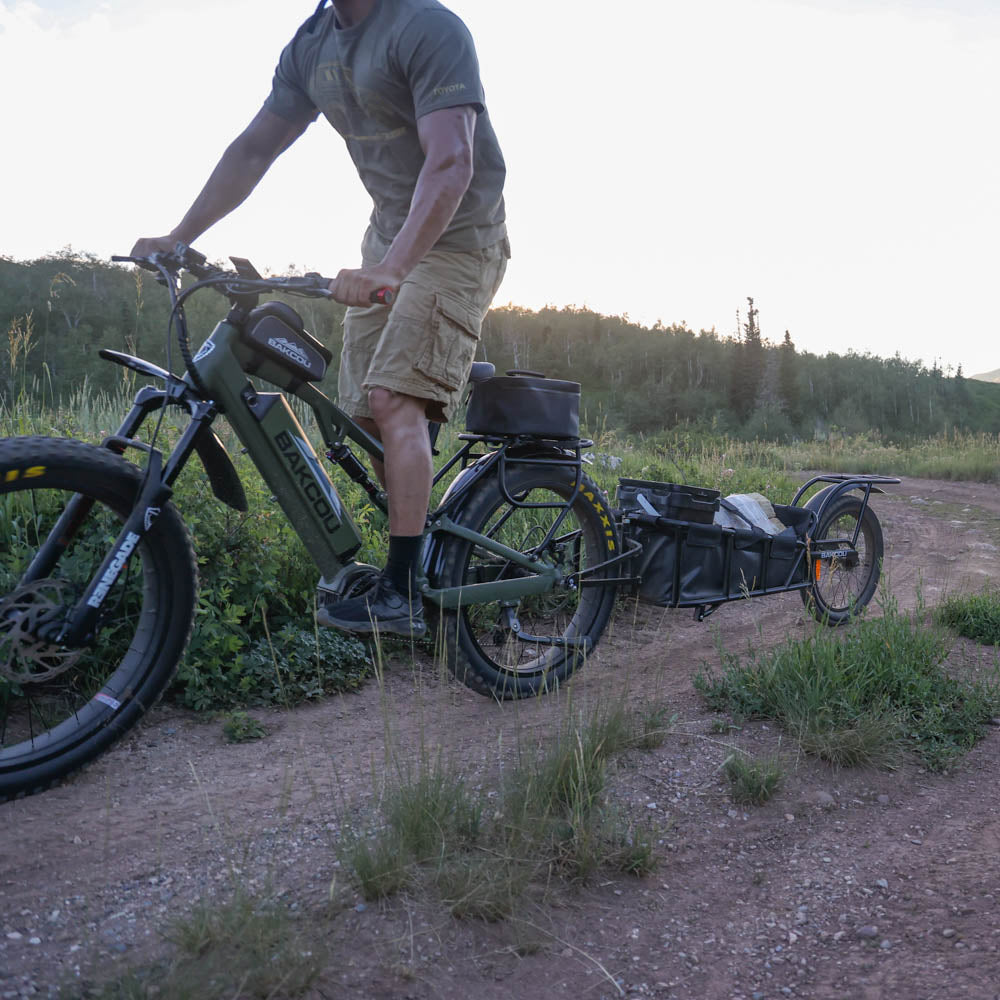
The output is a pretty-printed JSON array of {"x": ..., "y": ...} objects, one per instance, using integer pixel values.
[{"x": 25, "y": 658}]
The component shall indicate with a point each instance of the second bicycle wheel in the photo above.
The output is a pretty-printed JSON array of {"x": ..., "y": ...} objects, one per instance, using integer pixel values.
[
  {"x": 512, "y": 649},
  {"x": 843, "y": 585},
  {"x": 60, "y": 706}
]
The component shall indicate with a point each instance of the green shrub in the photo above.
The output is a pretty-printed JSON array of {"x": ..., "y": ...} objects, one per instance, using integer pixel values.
[
  {"x": 292, "y": 666},
  {"x": 255, "y": 576},
  {"x": 856, "y": 697}
]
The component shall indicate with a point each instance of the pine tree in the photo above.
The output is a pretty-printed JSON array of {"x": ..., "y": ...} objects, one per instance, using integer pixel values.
[
  {"x": 748, "y": 367},
  {"x": 788, "y": 378}
]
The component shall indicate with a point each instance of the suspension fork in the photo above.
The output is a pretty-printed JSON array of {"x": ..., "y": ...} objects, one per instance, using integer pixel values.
[
  {"x": 156, "y": 490},
  {"x": 79, "y": 506}
]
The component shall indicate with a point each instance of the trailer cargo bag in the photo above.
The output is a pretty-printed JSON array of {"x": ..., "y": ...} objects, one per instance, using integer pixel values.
[{"x": 686, "y": 563}]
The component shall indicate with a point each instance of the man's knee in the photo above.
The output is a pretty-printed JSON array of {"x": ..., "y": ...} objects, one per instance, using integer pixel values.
[{"x": 394, "y": 408}]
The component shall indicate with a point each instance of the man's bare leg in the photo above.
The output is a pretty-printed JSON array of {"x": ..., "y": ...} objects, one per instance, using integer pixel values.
[
  {"x": 400, "y": 422},
  {"x": 409, "y": 470}
]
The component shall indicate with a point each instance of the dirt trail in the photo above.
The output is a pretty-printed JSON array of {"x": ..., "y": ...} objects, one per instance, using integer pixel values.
[{"x": 847, "y": 884}]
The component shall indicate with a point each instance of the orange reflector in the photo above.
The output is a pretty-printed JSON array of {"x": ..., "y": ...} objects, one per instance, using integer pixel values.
[{"x": 817, "y": 564}]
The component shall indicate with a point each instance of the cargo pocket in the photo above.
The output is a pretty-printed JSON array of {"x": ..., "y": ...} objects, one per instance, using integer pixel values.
[{"x": 451, "y": 347}]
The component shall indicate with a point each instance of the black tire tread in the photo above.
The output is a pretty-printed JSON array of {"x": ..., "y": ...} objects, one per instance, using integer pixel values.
[
  {"x": 119, "y": 474},
  {"x": 464, "y": 667},
  {"x": 847, "y": 505}
]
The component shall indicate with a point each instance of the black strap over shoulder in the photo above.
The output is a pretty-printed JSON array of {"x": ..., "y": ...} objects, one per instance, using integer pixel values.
[{"x": 312, "y": 22}]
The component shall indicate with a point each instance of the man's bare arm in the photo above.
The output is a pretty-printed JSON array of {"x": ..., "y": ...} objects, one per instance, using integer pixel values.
[
  {"x": 446, "y": 138},
  {"x": 237, "y": 173}
]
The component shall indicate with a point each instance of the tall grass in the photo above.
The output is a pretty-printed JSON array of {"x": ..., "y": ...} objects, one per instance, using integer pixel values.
[
  {"x": 956, "y": 455},
  {"x": 735, "y": 466},
  {"x": 485, "y": 855}
]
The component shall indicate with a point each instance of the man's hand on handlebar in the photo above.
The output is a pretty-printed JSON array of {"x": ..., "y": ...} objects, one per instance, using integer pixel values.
[
  {"x": 148, "y": 246},
  {"x": 365, "y": 285}
]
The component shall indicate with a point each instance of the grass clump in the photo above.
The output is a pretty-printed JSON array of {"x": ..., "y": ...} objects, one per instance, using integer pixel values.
[
  {"x": 425, "y": 818},
  {"x": 976, "y": 616},
  {"x": 752, "y": 780},
  {"x": 652, "y": 725},
  {"x": 245, "y": 947},
  {"x": 859, "y": 698},
  {"x": 484, "y": 855},
  {"x": 431, "y": 811},
  {"x": 378, "y": 862}
]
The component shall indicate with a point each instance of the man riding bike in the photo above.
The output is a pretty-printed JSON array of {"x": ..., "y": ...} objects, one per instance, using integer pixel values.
[{"x": 399, "y": 80}]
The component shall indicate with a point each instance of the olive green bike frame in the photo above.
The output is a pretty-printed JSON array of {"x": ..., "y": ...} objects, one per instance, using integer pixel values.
[{"x": 277, "y": 444}]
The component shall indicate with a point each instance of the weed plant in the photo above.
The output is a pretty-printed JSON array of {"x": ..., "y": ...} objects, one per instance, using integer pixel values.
[
  {"x": 241, "y": 727},
  {"x": 752, "y": 780},
  {"x": 245, "y": 947},
  {"x": 976, "y": 616},
  {"x": 858, "y": 697}
]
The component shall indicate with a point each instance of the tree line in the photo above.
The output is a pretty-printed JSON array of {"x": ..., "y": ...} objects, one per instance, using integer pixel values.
[{"x": 58, "y": 311}]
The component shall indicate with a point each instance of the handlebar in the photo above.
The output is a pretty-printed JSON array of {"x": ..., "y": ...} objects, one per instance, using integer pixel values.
[
  {"x": 184, "y": 258},
  {"x": 242, "y": 287}
]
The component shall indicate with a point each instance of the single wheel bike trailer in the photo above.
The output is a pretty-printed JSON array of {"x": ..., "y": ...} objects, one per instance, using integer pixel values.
[{"x": 829, "y": 547}]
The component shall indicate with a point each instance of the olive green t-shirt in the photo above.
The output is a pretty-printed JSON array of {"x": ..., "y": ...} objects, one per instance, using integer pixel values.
[{"x": 372, "y": 82}]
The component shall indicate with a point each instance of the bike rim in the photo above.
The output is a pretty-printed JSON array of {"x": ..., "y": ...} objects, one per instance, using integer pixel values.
[
  {"x": 53, "y": 699},
  {"x": 840, "y": 587},
  {"x": 564, "y": 613}
]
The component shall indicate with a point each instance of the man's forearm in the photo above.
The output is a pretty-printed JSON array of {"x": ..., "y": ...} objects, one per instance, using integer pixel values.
[
  {"x": 233, "y": 178},
  {"x": 438, "y": 193}
]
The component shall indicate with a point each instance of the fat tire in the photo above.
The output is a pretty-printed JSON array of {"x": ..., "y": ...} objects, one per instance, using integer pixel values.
[
  {"x": 166, "y": 581},
  {"x": 863, "y": 584},
  {"x": 467, "y": 657}
]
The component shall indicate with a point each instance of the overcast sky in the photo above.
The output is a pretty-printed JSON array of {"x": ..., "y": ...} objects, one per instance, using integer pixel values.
[{"x": 835, "y": 159}]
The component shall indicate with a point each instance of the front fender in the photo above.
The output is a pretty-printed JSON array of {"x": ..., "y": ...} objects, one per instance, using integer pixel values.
[{"x": 222, "y": 474}]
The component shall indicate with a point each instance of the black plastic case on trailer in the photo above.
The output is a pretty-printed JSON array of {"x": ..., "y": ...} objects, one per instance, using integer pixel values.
[
  {"x": 682, "y": 503},
  {"x": 525, "y": 404}
]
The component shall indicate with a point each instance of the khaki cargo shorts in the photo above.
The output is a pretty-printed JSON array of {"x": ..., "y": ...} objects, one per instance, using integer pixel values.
[{"x": 425, "y": 344}]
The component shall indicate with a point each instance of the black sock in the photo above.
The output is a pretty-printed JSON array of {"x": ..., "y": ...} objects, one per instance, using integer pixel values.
[{"x": 401, "y": 568}]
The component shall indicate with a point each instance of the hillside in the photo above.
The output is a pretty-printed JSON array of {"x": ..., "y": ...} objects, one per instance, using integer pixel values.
[
  {"x": 993, "y": 376},
  {"x": 58, "y": 311}
]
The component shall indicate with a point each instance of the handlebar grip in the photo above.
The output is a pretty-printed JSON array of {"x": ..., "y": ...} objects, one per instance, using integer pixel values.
[{"x": 382, "y": 297}]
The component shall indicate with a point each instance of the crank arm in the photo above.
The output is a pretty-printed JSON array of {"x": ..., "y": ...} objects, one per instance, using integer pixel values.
[
  {"x": 557, "y": 641},
  {"x": 513, "y": 625}
]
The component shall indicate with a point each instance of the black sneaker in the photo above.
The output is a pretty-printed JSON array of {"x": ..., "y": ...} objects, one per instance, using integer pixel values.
[{"x": 383, "y": 609}]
